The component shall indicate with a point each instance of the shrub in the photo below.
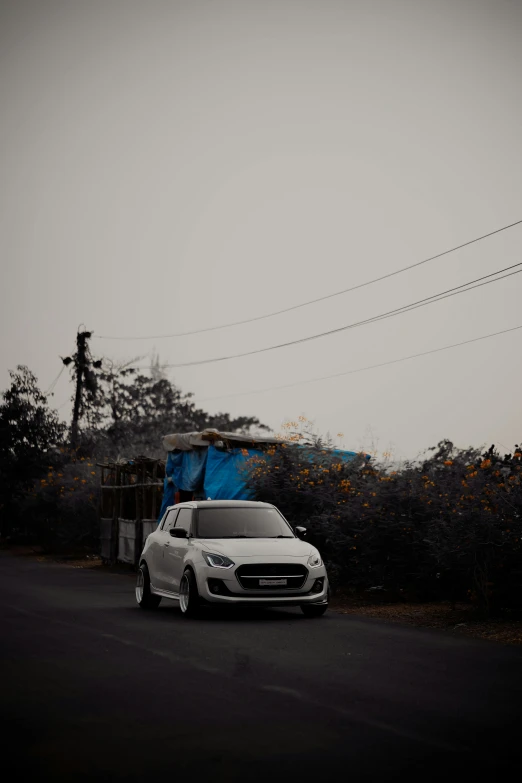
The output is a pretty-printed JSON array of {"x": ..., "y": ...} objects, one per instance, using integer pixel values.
[{"x": 449, "y": 526}]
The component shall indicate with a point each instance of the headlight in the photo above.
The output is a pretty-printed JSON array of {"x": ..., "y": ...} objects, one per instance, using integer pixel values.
[
  {"x": 314, "y": 561},
  {"x": 218, "y": 561}
]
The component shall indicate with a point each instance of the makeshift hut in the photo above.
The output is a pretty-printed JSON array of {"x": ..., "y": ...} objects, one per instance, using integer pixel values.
[
  {"x": 213, "y": 464},
  {"x": 199, "y": 465}
]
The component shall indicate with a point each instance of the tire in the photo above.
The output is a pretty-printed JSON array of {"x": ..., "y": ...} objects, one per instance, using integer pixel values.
[
  {"x": 189, "y": 600},
  {"x": 314, "y": 610},
  {"x": 144, "y": 597}
]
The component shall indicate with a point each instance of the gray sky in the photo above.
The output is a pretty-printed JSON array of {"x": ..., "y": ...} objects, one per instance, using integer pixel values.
[{"x": 167, "y": 166}]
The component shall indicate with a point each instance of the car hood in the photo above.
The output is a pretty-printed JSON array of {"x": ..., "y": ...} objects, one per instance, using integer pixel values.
[{"x": 256, "y": 547}]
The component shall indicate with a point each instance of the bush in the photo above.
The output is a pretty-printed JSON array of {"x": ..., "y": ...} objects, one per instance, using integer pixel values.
[
  {"x": 62, "y": 508},
  {"x": 447, "y": 527}
]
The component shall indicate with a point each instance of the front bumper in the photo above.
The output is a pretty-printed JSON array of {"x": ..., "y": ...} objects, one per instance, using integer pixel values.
[{"x": 233, "y": 593}]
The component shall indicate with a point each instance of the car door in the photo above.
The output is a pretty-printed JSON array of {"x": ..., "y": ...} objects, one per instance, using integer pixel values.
[
  {"x": 161, "y": 546},
  {"x": 154, "y": 549},
  {"x": 175, "y": 552}
]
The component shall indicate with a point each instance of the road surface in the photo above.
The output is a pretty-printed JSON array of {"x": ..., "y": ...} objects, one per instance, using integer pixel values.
[{"x": 95, "y": 688}]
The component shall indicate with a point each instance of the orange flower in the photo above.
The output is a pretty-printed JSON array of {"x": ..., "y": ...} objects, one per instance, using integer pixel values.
[{"x": 448, "y": 462}]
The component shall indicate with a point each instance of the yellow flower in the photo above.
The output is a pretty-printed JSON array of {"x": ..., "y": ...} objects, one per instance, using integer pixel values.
[{"x": 93, "y": 472}]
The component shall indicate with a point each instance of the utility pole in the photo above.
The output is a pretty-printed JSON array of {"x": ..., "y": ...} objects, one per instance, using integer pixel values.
[
  {"x": 84, "y": 378},
  {"x": 81, "y": 354}
]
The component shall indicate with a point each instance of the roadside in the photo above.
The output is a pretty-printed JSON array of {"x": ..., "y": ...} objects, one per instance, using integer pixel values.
[
  {"x": 460, "y": 618},
  {"x": 443, "y": 616}
]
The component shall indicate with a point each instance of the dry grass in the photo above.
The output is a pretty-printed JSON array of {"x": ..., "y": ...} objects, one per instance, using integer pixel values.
[{"x": 460, "y": 618}]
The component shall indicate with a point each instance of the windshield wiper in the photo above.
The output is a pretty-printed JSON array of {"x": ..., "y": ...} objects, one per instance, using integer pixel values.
[
  {"x": 242, "y": 535},
  {"x": 238, "y": 536}
]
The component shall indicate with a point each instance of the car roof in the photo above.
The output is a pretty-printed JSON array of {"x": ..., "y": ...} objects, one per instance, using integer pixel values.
[{"x": 222, "y": 504}]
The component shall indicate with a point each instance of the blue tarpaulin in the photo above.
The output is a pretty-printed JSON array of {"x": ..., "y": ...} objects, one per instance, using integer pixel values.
[
  {"x": 192, "y": 470},
  {"x": 339, "y": 454},
  {"x": 226, "y": 473},
  {"x": 184, "y": 470},
  {"x": 169, "y": 492}
]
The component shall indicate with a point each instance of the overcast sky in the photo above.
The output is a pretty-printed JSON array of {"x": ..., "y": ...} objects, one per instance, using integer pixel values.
[{"x": 169, "y": 166}]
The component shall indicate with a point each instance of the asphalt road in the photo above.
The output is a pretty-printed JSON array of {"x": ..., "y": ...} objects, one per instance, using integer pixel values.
[{"x": 95, "y": 688}]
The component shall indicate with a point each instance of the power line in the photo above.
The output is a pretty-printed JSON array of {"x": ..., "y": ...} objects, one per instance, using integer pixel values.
[
  {"x": 52, "y": 387},
  {"x": 361, "y": 369},
  {"x": 381, "y": 317},
  {"x": 319, "y": 299}
]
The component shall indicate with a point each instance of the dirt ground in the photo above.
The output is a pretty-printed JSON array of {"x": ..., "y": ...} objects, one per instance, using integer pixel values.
[{"x": 461, "y": 618}]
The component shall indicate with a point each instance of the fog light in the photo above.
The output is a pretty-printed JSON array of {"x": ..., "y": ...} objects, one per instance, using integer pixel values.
[
  {"x": 318, "y": 586},
  {"x": 215, "y": 586}
]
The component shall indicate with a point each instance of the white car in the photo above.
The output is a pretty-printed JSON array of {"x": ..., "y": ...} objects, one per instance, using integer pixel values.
[{"x": 230, "y": 552}]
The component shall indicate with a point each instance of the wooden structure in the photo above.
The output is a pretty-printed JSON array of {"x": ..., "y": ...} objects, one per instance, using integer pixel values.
[{"x": 131, "y": 495}]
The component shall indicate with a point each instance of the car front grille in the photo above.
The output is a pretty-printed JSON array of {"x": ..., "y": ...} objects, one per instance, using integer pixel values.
[{"x": 250, "y": 574}]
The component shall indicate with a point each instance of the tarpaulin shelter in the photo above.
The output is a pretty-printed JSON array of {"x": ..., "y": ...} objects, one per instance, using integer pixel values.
[
  {"x": 213, "y": 464},
  {"x": 199, "y": 465}
]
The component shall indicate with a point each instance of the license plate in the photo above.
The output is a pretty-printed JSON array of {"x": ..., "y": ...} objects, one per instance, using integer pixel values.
[{"x": 272, "y": 582}]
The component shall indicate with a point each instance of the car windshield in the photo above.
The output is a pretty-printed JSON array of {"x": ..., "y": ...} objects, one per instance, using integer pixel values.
[{"x": 242, "y": 523}]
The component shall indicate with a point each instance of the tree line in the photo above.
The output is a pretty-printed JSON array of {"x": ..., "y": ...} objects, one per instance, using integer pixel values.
[
  {"x": 447, "y": 525},
  {"x": 49, "y": 489}
]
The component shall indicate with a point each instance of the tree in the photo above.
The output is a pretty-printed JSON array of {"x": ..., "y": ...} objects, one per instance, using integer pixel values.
[
  {"x": 132, "y": 411},
  {"x": 30, "y": 437}
]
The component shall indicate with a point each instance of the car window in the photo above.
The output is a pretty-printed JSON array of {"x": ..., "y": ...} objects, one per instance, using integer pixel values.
[
  {"x": 184, "y": 518},
  {"x": 170, "y": 519}
]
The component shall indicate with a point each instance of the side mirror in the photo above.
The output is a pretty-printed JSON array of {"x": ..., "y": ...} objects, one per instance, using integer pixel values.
[
  {"x": 301, "y": 531},
  {"x": 178, "y": 532}
]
